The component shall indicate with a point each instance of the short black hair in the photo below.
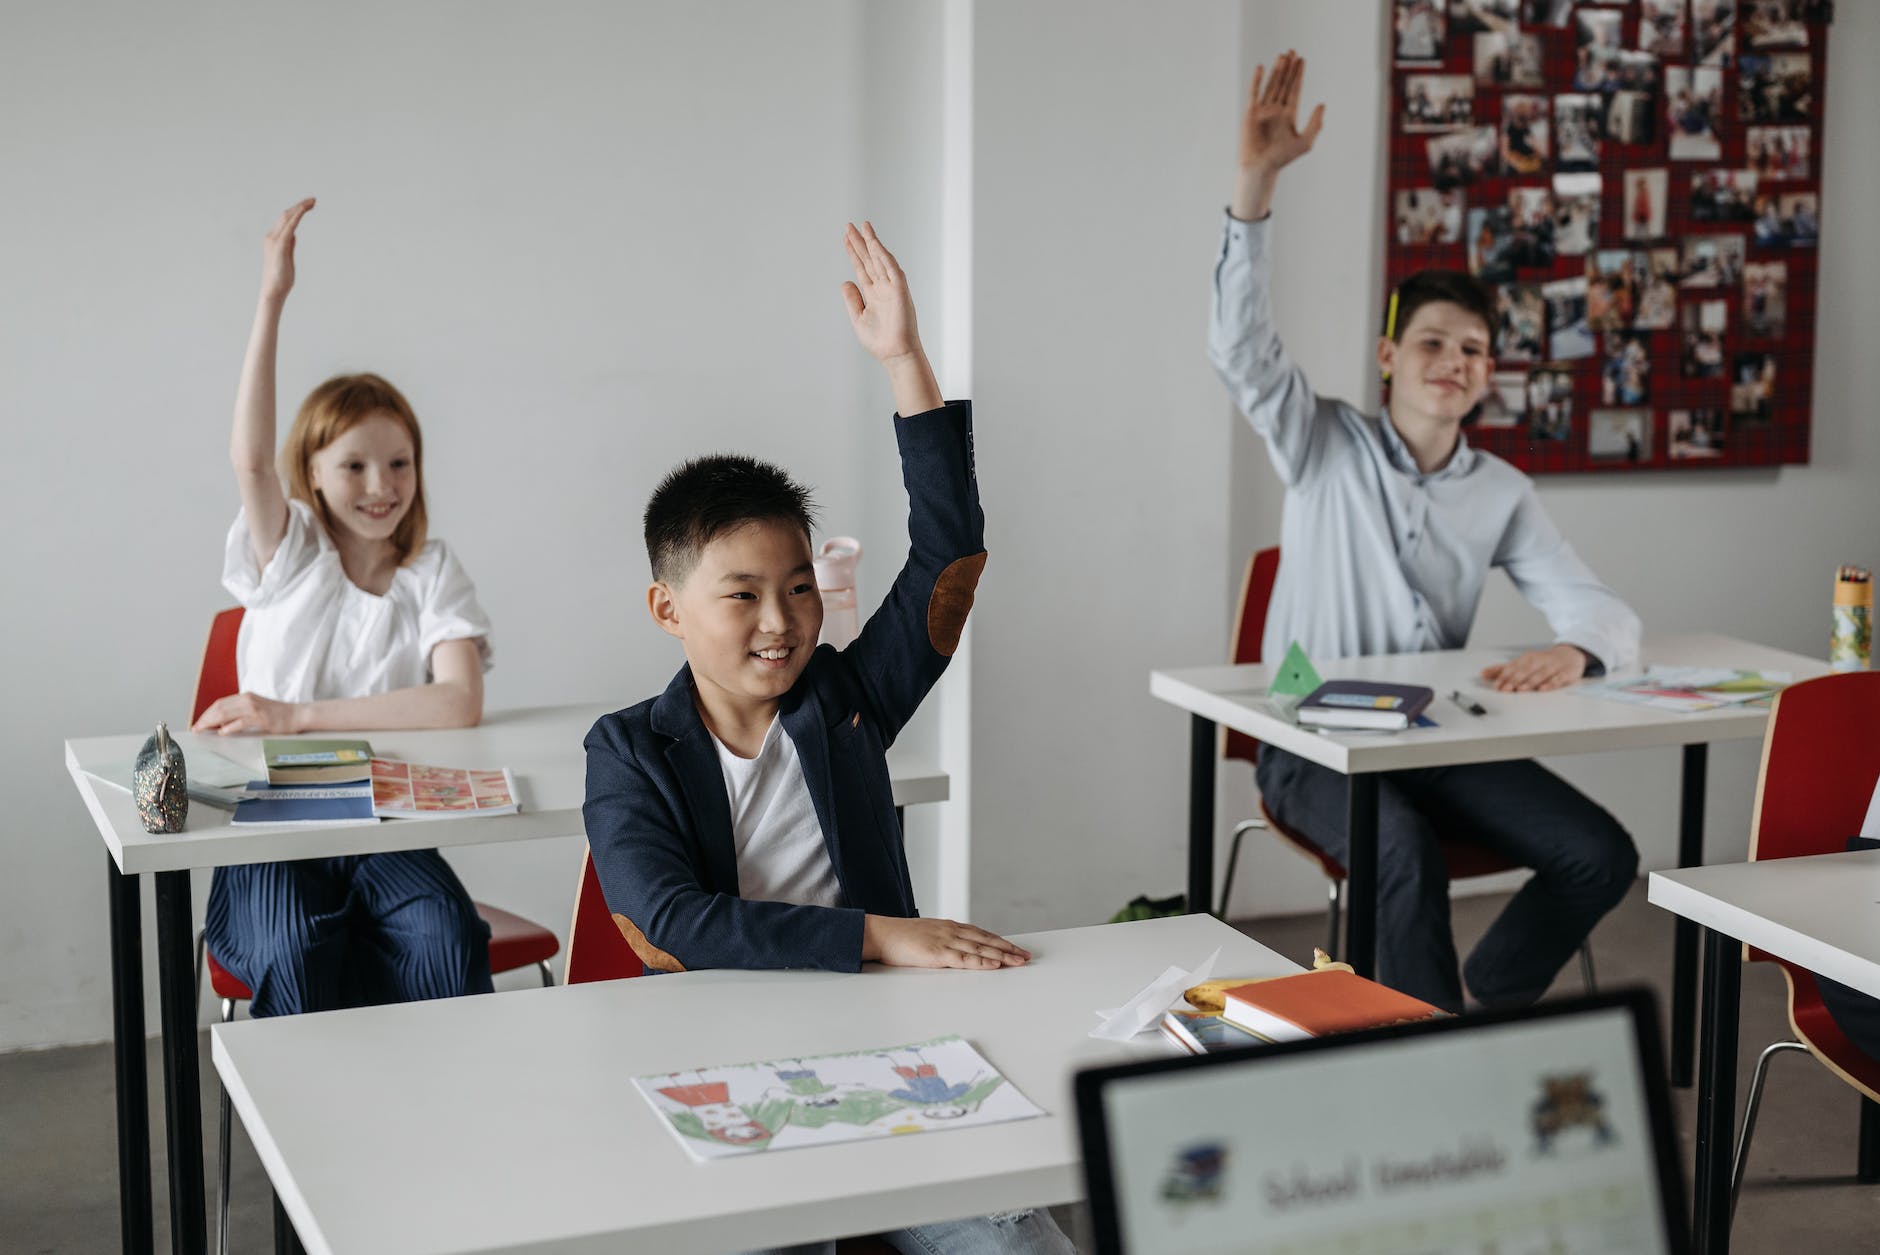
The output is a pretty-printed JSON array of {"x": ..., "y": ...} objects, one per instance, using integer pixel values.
[
  {"x": 1426, "y": 287},
  {"x": 704, "y": 498}
]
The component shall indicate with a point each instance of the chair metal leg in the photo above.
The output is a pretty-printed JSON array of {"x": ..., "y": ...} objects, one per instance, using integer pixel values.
[
  {"x": 1868, "y": 1170},
  {"x": 222, "y": 1155},
  {"x": 1749, "y": 1113},
  {"x": 1586, "y": 967},
  {"x": 1233, "y": 856},
  {"x": 1333, "y": 911},
  {"x": 548, "y": 977}
]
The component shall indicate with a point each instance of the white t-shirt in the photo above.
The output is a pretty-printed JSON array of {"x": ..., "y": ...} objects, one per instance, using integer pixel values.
[
  {"x": 310, "y": 633},
  {"x": 781, "y": 855}
]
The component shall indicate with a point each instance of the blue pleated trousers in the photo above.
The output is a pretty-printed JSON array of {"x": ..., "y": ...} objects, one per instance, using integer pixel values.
[{"x": 325, "y": 933}]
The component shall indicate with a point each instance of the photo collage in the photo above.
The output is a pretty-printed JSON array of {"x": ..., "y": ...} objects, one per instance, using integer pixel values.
[{"x": 1638, "y": 183}]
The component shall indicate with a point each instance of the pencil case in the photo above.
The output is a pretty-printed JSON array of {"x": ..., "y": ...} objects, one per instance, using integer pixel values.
[
  {"x": 159, "y": 783},
  {"x": 1850, "y": 645}
]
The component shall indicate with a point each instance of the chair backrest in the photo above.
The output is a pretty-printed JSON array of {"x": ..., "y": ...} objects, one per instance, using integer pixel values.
[
  {"x": 596, "y": 950},
  {"x": 217, "y": 678},
  {"x": 1821, "y": 758},
  {"x": 1256, "y": 591}
]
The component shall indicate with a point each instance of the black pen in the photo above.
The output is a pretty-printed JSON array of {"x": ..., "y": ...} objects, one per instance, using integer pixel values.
[{"x": 1473, "y": 707}]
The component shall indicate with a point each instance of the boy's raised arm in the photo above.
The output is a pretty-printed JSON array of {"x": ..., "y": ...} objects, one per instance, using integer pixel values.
[
  {"x": 1270, "y": 138},
  {"x": 882, "y": 312}
]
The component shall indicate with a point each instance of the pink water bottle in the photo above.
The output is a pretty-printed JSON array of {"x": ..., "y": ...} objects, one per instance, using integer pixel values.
[{"x": 835, "y": 576}]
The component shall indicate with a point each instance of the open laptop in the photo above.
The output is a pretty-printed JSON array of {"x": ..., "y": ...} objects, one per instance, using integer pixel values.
[{"x": 1538, "y": 1132}]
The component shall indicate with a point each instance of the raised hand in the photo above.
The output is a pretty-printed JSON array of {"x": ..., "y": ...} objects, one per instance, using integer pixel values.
[
  {"x": 880, "y": 308},
  {"x": 936, "y": 943},
  {"x": 277, "y": 252},
  {"x": 1269, "y": 133}
]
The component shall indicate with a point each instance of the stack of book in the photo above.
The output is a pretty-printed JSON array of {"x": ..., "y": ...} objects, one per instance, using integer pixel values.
[
  {"x": 340, "y": 782},
  {"x": 1363, "y": 704},
  {"x": 1292, "y": 1008}
]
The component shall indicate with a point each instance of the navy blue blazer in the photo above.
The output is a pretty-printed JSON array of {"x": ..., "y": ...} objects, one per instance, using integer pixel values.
[{"x": 658, "y": 817}]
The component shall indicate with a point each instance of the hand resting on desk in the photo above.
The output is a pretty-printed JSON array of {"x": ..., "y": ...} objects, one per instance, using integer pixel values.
[
  {"x": 936, "y": 943},
  {"x": 1538, "y": 670}
]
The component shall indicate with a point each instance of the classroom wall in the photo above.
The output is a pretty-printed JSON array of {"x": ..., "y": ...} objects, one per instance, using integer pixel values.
[
  {"x": 1749, "y": 553},
  {"x": 587, "y": 240}
]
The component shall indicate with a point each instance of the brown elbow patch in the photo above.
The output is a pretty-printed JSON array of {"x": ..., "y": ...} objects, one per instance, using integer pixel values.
[
  {"x": 952, "y": 601},
  {"x": 651, "y": 955}
]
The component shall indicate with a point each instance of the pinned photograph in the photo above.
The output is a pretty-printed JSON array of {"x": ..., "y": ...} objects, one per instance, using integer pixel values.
[
  {"x": 1695, "y": 434},
  {"x": 1506, "y": 401},
  {"x": 1524, "y": 146},
  {"x": 1644, "y": 201},
  {"x": 1568, "y": 336},
  {"x": 1799, "y": 217},
  {"x": 1713, "y": 31},
  {"x": 1658, "y": 303},
  {"x": 1631, "y": 117},
  {"x": 1613, "y": 277},
  {"x": 1661, "y": 27},
  {"x": 1625, "y": 375},
  {"x": 1631, "y": 70},
  {"x": 1619, "y": 435},
  {"x": 1598, "y": 29},
  {"x": 1532, "y": 211},
  {"x": 1576, "y": 213},
  {"x": 1578, "y": 120},
  {"x": 1464, "y": 156},
  {"x": 1723, "y": 196},
  {"x": 1713, "y": 261},
  {"x": 1753, "y": 388},
  {"x": 1700, "y": 350},
  {"x": 1507, "y": 59},
  {"x": 1555, "y": 13},
  {"x": 1778, "y": 152},
  {"x": 1438, "y": 102},
  {"x": 1520, "y": 323},
  {"x": 1765, "y": 299},
  {"x": 1775, "y": 87},
  {"x": 1550, "y": 402},
  {"x": 1775, "y": 23},
  {"x": 1467, "y": 16},
  {"x": 1693, "y": 105},
  {"x": 1426, "y": 216},
  {"x": 1491, "y": 245},
  {"x": 1421, "y": 26}
]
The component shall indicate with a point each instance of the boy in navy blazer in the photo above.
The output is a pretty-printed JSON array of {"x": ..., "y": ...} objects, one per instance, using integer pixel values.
[{"x": 744, "y": 817}]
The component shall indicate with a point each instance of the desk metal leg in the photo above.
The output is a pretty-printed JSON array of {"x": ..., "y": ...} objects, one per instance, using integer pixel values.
[
  {"x": 286, "y": 1241},
  {"x": 1361, "y": 874},
  {"x": 1684, "y": 943},
  {"x": 1716, "y": 1094},
  {"x": 1201, "y": 750},
  {"x": 127, "y": 1036},
  {"x": 1869, "y": 1167},
  {"x": 182, "y": 1092}
]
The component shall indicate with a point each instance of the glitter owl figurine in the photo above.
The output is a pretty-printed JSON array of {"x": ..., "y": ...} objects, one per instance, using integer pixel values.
[{"x": 159, "y": 783}]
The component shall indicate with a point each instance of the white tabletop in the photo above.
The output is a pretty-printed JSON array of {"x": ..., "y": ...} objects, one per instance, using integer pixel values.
[
  {"x": 1517, "y": 725},
  {"x": 541, "y": 747},
  {"x": 509, "y": 1122},
  {"x": 1820, "y": 912}
]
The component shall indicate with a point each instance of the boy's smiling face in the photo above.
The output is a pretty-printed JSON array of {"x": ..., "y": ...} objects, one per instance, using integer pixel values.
[
  {"x": 748, "y": 614},
  {"x": 1439, "y": 370}
]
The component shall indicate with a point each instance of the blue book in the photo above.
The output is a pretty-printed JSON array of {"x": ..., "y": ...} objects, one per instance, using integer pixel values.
[{"x": 326, "y": 804}]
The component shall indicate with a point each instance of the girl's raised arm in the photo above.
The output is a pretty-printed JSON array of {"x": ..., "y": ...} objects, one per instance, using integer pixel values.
[{"x": 251, "y": 447}]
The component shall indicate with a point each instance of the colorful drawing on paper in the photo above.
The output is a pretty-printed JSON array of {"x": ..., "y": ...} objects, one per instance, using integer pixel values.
[
  {"x": 411, "y": 790},
  {"x": 1691, "y": 689},
  {"x": 828, "y": 1099}
]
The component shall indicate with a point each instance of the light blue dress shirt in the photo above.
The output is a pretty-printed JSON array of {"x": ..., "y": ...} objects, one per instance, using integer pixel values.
[{"x": 1376, "y": 556}]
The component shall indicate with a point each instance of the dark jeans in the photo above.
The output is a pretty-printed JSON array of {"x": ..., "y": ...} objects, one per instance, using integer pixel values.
[{"x": 1583, "y": 863}]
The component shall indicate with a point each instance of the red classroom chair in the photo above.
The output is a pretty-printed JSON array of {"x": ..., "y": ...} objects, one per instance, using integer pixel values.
[
  {"x": 1821, "y": 758},
  {"x": 514, "y": 941},
  {"x": 1464, "y": 859}
]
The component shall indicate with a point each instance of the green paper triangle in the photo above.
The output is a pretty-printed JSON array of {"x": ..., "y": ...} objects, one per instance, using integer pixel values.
[{"x": 1296, "y": 676}]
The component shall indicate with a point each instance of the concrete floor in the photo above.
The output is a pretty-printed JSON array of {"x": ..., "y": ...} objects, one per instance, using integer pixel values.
[{"x": 58, "y": 1160}]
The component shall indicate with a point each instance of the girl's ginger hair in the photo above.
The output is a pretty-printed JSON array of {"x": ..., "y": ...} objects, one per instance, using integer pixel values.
[{"x": 329, "y": 412}]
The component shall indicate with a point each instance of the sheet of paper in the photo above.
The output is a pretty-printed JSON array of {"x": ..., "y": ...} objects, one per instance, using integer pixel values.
[{"x": 1145, "y": 1009}]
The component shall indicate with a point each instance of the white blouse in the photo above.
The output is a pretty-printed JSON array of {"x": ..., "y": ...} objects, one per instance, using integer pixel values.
[{"x": 310, "y": 633}]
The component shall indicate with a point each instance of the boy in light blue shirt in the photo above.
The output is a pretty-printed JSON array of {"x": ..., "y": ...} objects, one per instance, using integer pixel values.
[{"x": 1390, "y": 525}]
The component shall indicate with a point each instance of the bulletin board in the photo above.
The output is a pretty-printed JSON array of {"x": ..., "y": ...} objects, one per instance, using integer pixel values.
[{"x": 1639, "y": 185}]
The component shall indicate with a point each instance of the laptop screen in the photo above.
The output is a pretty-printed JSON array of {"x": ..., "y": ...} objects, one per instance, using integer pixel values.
[{"x": 1537, "y": 1131}]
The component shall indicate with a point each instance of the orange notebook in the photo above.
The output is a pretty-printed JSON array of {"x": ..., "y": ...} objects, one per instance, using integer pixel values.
[{"x": 1316, "y": 1004}]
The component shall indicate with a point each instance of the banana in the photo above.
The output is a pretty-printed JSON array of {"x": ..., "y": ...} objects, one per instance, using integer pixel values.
[{"x": 1209, "y": 994}]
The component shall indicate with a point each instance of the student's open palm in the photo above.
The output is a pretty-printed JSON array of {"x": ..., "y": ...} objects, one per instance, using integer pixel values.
[
  {"x": 277, "y": 251},
  {"x": 880, "y": 308},
  {"x": 1269, "y": 133}
]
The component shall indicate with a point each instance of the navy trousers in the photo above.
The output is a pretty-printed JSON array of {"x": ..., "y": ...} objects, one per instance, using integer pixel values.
[
  {"x": 325, "y": 933},
  {"x": 1583, "y": 863}
]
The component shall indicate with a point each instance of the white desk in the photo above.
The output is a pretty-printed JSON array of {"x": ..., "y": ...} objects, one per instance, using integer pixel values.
[
  {"x": 373, "y": 1124},
  {"x": 1518, "y": 725},
  {"x": 540, "y": 746},
  {"x": 1821, "y": 913}
]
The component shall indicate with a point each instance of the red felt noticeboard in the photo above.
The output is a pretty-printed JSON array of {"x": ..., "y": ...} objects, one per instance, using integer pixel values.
[{"x": 1678, "y": 330}]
